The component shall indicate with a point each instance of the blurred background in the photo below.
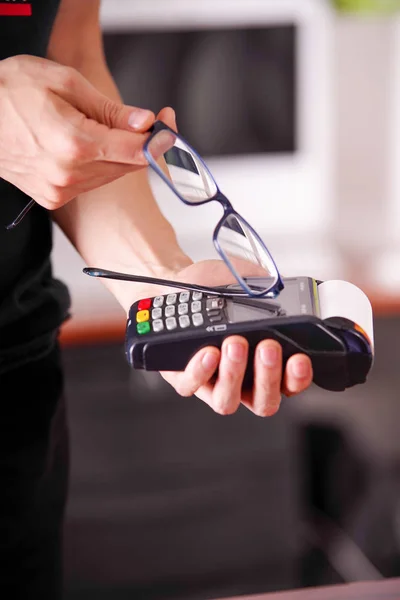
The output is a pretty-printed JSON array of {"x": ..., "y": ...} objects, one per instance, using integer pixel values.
[{"x": 295, "y": 105}]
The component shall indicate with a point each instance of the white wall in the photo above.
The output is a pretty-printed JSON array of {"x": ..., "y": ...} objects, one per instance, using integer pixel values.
[{"x": 367, "y": 155}]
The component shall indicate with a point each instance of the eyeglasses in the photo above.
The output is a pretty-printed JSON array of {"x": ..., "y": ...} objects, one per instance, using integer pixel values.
[
  {"x": 243, "y": 252},
  {"x": 238, "y": 244}
]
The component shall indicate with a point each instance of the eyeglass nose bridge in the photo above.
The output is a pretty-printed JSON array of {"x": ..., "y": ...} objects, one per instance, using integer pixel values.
[{"x": 224, "y": 202}]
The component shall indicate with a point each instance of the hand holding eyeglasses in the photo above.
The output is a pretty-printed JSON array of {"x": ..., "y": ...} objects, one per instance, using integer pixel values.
[{"x": 61, "y": 137}]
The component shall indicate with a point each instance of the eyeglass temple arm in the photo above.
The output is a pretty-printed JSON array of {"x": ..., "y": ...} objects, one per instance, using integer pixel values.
[
  {"x": 21, "y": 215},
  {"x": 31, "y": 203},
  {"x": 239, "y": 297}
]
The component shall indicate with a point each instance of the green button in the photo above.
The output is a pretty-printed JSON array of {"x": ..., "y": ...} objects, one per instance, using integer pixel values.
[{"x": 142, "y": 328}]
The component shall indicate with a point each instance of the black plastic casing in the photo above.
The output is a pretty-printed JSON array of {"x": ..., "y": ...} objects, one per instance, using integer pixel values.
[{"x": 341, "y": 355}]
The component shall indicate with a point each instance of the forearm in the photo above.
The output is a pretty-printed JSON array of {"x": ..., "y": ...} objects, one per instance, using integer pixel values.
[{"x": 120, "y": 226}]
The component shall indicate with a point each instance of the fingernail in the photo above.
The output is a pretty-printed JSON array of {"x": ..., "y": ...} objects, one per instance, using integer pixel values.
[
  {"x": 175, "y": 123},
  {"x": 301, "y": 369},
  {"x": 171, "y": 114},
  {"x": 272, "y": 409},
  {"x": 138, "y": 118},
  {"x": 210, "y": 360},
  {"x": 236, "y": 352},
  {"x": 269, "y": 356}
]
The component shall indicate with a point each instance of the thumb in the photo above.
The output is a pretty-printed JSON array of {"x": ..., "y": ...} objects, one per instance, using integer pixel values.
[
  {"x": 121, "y": 116},
  {"x": 81, "y": 94}
]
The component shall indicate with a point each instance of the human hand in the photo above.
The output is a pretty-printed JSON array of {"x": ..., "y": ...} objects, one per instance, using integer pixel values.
[
  {"x": 60, "y": 137},
  {"x": 224, "y": 395}
]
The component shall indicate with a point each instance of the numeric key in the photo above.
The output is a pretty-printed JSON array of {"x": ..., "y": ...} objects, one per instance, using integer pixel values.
[
  {"x": 197, "y": 319},
  {"x": 195, "y": 307},
  {"x": 170, "y": 311},
  {"x": 158, "y": 301},
  {"x": 184, "y": 321},
  {"x": 171, "y": 323},
  {"x": 158, "y": 325},
  {"x": 156, "y": 313},
  {"x": 183, "y": 309},
  {"x": 184, "y": 296}
]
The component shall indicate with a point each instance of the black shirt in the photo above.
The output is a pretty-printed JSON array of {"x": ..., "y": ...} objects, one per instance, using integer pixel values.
[{"x": 32, "y": 303}]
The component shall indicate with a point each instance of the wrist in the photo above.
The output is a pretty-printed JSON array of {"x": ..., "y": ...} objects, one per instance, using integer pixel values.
[
  {"x": 126, "y": 293},
  {"x": 119, "y": 227}
]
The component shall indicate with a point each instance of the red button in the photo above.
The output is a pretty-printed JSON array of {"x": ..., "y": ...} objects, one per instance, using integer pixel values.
[{"x": 144, "y": 304}]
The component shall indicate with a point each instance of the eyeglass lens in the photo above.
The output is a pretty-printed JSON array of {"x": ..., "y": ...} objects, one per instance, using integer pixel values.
[
  {"x": 187, "y": 173},
  {"x": 242, "y": 249}
]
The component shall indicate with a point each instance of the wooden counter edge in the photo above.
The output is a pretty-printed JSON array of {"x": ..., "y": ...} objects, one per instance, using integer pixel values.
[{"x": 386, "y": 589}]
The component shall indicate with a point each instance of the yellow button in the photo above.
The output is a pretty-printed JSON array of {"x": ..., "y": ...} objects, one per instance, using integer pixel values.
[{"x": 142, "y": 315}]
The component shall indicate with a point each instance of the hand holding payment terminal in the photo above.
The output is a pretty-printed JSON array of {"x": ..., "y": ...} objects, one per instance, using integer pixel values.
[{"x": 329, "y": 321}]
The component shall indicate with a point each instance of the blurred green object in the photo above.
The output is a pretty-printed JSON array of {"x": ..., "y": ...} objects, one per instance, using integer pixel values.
[{"x": 368, "y": 6}]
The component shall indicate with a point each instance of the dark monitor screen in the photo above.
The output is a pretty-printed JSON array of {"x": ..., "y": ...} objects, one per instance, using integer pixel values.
[{"x": 233, "y": 89}]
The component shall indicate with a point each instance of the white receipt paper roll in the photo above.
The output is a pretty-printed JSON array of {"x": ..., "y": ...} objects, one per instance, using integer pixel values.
[{"x": 339, "y": 298}]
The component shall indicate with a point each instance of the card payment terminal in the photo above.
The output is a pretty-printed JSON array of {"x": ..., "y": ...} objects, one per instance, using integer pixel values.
[{"x": 329, "y": 321}]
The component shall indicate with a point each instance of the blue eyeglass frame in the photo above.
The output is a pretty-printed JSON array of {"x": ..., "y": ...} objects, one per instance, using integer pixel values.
[{"x": 228, "y": 209}]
